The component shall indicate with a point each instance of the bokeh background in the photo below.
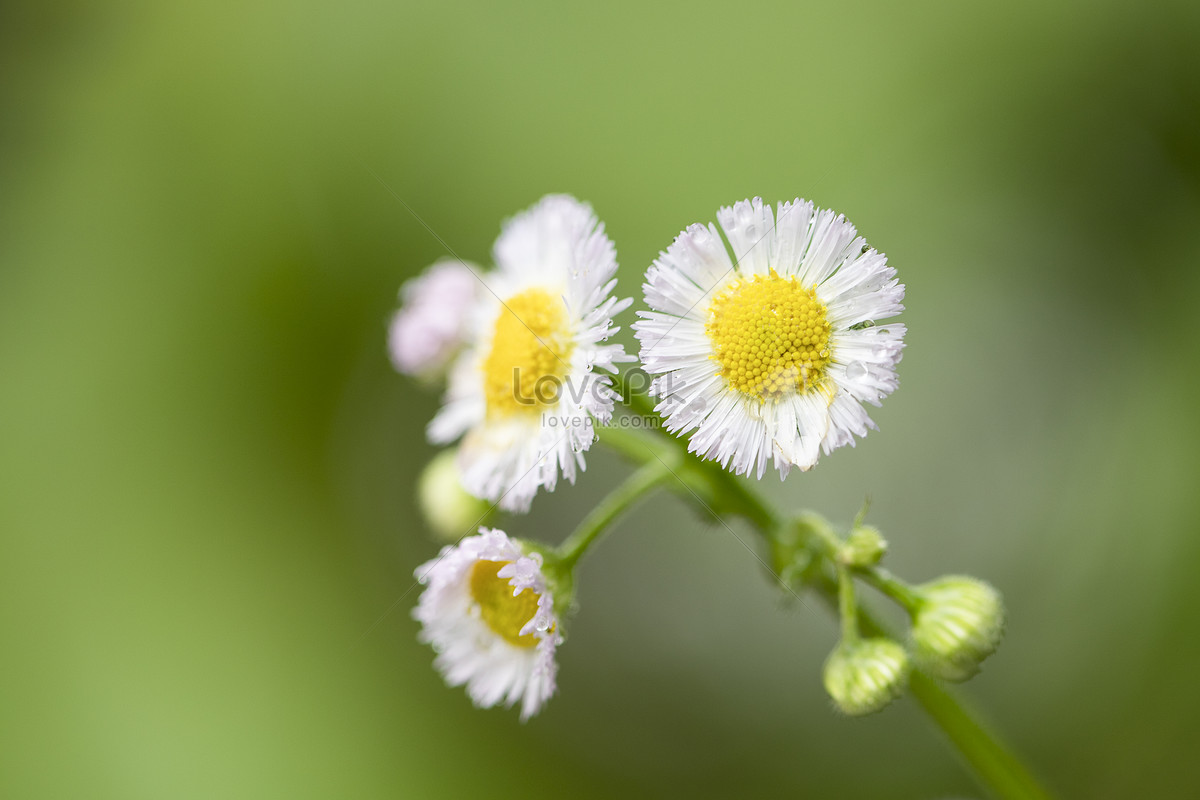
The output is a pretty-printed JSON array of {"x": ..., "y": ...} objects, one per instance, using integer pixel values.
[{"x": 207, "y": 465}]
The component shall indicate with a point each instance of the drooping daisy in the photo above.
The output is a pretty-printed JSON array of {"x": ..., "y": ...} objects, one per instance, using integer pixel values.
[
  {"x": 431, "y": 326},
  {"x": 770, "y": 356},
  {"x": 488, "y": 611},
  {"x": 526, "y": 395}
]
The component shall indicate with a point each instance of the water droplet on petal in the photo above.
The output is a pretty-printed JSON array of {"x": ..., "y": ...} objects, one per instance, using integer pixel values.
[{"x": 856, "y": 371}]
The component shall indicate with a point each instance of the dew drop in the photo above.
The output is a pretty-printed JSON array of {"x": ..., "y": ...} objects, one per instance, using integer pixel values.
[{"x": 856, "y": 371}]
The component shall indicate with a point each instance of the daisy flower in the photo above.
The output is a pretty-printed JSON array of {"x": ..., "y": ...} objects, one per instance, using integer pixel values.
[
  {"x": 770, "y": 356},
  {"x": 432, "y": 324},
  {"x": 526, "y": 394},
  {"x": 488, "y": 611}
]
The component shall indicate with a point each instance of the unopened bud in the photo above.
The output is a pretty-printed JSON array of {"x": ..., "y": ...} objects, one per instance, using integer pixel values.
[
  {"x": 959, "y": 623},
  {"x": 864, "y": 547},
  {"x": 450, "y": 511},
  {"x": 865, "y": 675}
]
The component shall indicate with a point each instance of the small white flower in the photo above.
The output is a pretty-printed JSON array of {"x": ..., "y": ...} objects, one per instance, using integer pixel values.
[
  {"x": 527, "y": 393},
  {"x": 771, "y": 356},
  {"x": 432, "y": 324},
  {"x": 488, "y": 611}
]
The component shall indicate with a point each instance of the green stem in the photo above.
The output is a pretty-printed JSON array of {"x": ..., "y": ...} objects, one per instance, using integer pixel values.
[
  {"x": 634, "y": 446},
  {"x": 892, "y": 586},
  {"x": 847, "y": 609},
  {"x": 617, "y": 502},
  {"x": 828, "y": 541},
  {"x": 996, "y": 767}
]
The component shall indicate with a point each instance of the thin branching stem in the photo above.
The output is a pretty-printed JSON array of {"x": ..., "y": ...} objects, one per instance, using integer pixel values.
[{"x": 990, "y": 761}]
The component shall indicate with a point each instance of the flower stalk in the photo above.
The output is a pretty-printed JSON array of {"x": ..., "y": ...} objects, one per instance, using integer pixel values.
[
  {"x": 847, "y": 608},
  {"x": 899, "y": 591},
  {"x": 989, "y": 760},
  {"x": 651, "y": 475}
]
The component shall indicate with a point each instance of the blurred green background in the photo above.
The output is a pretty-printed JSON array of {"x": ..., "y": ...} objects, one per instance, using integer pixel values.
[{"x": 207, "y": 464}]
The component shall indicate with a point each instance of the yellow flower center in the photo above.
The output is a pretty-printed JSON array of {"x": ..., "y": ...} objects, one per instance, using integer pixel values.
[
  {"x": 531, "y": 347},
  {"x": 503, "y": 613},
  {"x": 770, "y": 336}
]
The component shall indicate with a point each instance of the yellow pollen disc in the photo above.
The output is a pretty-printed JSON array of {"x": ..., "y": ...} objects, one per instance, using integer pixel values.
[
  {"x": 502, "y": 612},
  {"x": 770, "y": 336},
  {"x": 531, "y": 347}
]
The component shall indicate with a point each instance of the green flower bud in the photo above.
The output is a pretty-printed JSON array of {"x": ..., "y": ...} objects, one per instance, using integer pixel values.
[
  {"x": 958, "y": 623},
  {"x": 449, "y": 510},
  {"x": 864, "y": 547},
  {"x": 865, "y": 675}
]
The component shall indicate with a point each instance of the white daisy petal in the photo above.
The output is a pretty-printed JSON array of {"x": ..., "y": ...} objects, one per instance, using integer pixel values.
[
  {"x": 771, "y": 360},
  {"x": 526, "y": 395},
  {"x": 865, "y": 288},
  {"x": 793, "y": 231},
  {"x": 829, "y": 243},
  {"x": 692, "y": 266},
  {"x": 865, "y": 361},
  {"x": 750, "y": 227},
  {"x": 488, "y": 611}
]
